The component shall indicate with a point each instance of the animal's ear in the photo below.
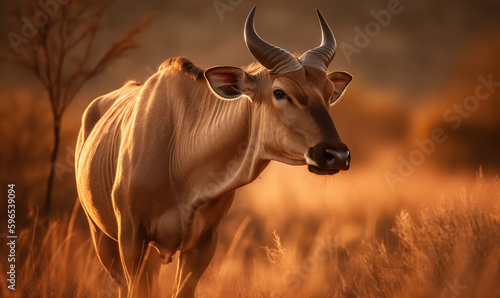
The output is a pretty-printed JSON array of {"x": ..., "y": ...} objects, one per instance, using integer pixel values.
[
  {"x": 230, "y": 82},
  {"x": 340, "y": 80}
]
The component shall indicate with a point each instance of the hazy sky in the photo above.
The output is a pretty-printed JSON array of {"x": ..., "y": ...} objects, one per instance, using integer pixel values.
[{"x": 411, "y": 52}]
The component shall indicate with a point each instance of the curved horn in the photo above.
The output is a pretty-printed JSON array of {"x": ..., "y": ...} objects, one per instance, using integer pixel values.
[
  {"x": 320, "y": 57},
  {"x": 275, "y": 59}
]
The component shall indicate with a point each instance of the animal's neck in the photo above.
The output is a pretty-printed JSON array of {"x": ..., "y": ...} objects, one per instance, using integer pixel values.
[{"x": 222, "y": 150}]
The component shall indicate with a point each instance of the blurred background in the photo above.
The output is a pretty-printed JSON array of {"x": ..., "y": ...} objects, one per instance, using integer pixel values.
[
  {"x": 420, "y": 68},
  {"x": 412, "y": 62}
]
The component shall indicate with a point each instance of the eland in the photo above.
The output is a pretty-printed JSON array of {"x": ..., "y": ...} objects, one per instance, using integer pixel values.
[{"x": 157, "y": 164}]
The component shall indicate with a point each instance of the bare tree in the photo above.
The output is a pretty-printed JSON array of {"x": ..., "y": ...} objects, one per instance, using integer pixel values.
[{"x": 56, "y": 40}]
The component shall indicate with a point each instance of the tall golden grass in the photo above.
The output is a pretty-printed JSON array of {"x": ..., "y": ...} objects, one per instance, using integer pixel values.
[{"x": 447, "y": 249}]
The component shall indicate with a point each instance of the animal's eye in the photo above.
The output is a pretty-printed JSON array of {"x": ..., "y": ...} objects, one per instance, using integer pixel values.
[{"x": 279, "y": 94}]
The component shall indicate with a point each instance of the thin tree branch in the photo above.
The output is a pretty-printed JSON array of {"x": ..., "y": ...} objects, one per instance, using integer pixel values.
[{"x": 63, "y": 54}]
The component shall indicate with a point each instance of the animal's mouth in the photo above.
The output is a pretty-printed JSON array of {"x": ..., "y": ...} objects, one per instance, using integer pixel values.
[{"x": 318, "y": 171}]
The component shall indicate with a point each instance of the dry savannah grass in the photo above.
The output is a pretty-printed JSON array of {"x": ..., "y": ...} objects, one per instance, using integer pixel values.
[{"x": 450, "y": 249}]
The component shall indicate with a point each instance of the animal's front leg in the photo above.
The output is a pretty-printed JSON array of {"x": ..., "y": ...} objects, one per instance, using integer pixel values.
[
  {"x": 133, "y": 247},
  {"x": 193, "y": 262}
]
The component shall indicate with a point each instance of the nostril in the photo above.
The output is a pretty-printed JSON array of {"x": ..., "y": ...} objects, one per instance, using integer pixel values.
[{"x": 329, "y": 156}]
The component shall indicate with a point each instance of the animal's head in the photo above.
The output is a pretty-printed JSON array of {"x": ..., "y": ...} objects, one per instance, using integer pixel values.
[{"x": 293, "y": 96}]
